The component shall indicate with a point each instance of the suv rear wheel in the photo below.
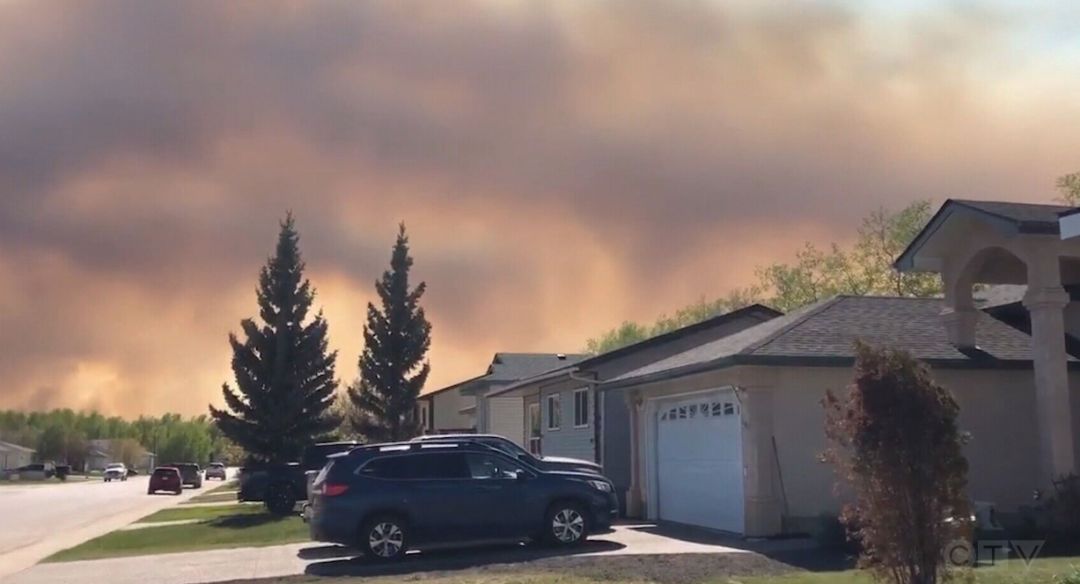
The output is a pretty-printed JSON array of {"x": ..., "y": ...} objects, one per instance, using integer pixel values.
[
  {"x": 565, "y": 525},
  {"x": 384, "y": 538}
]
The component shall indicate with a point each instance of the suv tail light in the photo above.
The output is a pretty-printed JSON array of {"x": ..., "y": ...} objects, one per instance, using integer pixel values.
[{"x": 334, "y": 489}]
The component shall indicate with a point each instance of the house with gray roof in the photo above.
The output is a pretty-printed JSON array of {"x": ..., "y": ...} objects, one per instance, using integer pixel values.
[
  {"x": 13, "y": 455},
  {"x": 727, "y": 434},
  {"x": 460, "y": 408},
  {"x": 565, "y": 416}
]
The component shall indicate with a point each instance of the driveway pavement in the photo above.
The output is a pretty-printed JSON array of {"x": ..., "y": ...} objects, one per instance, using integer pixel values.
[
  {"x": 314, "y": 559},
  {"x": 37, "y": 521}
]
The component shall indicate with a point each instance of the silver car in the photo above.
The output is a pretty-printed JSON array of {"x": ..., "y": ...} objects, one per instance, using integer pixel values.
[{"x": 116, "y": 471}]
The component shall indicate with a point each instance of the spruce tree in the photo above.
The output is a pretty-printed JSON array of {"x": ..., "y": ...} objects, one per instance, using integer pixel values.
[
  {"x": 284, "y": 374},
  {"x": 393, "y": 368}
]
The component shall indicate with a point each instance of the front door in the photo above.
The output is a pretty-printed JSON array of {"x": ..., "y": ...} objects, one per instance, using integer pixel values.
[{"x": 534, "y": 428}]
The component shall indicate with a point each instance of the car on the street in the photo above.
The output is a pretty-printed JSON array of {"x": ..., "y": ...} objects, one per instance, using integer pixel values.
[
  {"x": 190, "y": 474},
  {"x": 279, "y": 486},
  {"x": 386, "y": 499},
  {"x": 512, "y": 449},
  {"x": 165, "y": 478},
  {"x": 116, "y": 471},
  {"x": 39, "y": 471},
  {"x": 216, "y": 470}
]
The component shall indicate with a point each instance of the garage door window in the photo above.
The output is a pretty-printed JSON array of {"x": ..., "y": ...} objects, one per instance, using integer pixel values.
[{"x": 714, "y": 409}]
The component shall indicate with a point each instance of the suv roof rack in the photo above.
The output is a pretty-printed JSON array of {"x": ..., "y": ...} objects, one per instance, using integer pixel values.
[{"x": 423, "y": 445}]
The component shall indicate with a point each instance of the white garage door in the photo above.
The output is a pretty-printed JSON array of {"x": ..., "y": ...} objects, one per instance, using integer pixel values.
[{"x": 699, "y": 466}]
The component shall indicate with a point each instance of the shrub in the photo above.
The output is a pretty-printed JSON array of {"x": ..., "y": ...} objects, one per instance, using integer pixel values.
[{"x": 895, "y": 444}]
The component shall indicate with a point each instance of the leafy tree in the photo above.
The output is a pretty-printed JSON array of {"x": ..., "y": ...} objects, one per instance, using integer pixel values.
[
  {"x": 816, "y": 273},
  {"x": 393, "y": 368},
  {"x": 284, "y": 374},
  {"x": 1069, "y": 187},
  {"x": 895, "y": 444}
]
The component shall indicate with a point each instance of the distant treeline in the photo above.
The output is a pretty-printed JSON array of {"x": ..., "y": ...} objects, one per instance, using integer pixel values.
[{"x": 64, "y": 435}]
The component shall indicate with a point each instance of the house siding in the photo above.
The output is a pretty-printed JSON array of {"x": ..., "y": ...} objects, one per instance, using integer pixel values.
[
  {"x": 568, "y": 440},
  {"x": 447, "y": 407},
  {"x": 506, "y": 417}
]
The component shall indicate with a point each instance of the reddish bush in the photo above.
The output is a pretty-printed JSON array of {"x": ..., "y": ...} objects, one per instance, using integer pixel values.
[{"x": 896, "y": 447}]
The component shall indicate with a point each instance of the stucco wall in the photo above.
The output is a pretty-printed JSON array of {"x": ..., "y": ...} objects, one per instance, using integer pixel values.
[{"x": 997, "y": 409}]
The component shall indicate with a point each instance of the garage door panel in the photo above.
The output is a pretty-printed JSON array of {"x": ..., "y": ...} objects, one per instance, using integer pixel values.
[{"x": 699, "y": 467}]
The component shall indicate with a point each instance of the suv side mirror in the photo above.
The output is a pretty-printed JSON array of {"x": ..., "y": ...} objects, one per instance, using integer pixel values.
[{"x": 521, "y": 476}]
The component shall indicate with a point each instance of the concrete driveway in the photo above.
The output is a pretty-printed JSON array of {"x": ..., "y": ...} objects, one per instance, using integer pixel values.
[
  {"x": 37, "y": 521},
  {"x": 315, "y": 559}
]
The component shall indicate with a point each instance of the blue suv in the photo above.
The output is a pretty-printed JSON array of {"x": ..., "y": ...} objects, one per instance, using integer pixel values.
[{"x": 386, "y": 499}]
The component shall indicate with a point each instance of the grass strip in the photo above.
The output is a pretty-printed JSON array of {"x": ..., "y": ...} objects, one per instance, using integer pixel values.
[{"x": 232, "y": 531}]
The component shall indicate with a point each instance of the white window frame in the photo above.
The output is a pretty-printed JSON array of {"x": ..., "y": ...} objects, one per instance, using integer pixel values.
[
  {"x": 588, "y": 407},
  {"x": 549, "y": 400}
]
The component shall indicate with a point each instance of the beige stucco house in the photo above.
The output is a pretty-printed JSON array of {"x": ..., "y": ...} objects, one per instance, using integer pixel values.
[{"x": 728, "y": 434}]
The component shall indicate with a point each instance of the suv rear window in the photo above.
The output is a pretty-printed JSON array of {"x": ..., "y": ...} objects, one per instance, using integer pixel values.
[{"x": 434, "y": 465}]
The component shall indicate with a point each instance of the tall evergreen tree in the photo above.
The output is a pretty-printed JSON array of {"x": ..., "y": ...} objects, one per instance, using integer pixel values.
[
  {"x": 284, "y": 374},
  {"x": 392, "y": 365}
]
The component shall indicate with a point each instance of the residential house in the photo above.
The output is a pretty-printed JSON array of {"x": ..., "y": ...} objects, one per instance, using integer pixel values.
[
  {"x": 728, "y": 434},
  {"x": 454, "y": 408},
  {"x": 565, "y": 416},
  {"x": 13, "y": 455}
]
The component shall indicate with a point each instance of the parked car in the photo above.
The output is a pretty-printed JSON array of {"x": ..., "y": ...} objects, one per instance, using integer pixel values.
[
  {"x": 386, "y": 499},
  {"x": 190, "y": 474},
  {"x": 165, "y": 478},
  {"x": 512, "y": 449},
  {"x": 216, "y": 470},
  {"x": 36, "y": 472},
  {"x": 116, "y": 472},
  {"x": 279, "y": 486}
]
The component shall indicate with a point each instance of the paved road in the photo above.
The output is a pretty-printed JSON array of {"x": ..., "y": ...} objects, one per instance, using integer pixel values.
[{"x": 39, "y": 520}]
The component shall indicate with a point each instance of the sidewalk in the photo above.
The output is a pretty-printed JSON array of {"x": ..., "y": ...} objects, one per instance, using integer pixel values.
[{"x": 183, "y": 568}]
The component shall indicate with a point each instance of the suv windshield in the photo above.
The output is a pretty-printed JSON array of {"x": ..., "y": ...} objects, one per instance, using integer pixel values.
[{"x": 114, "y": 467}]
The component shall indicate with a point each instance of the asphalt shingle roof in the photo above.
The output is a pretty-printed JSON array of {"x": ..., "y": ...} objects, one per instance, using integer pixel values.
[
  {"x": 514, "y": 366},
  {"x": 1029, "y": 217},
  {"x": 828, "y": 329}
]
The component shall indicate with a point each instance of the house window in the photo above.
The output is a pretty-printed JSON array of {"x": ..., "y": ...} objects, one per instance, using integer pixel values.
[
  {"x": 581, "y": 408},
  {"x": 554, "y": 412}
]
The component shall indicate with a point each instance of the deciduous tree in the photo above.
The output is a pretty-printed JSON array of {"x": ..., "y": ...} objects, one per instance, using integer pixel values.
[{"x": 895, "y": 444}]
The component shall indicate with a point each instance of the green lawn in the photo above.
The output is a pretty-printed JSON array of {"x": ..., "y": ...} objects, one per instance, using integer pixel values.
[
  {"x": 1041, "y": 571},
  {"x": 235, "y": 530},
  {"x": 211, "y": 498},
  {"x": 202, "y": 513}
]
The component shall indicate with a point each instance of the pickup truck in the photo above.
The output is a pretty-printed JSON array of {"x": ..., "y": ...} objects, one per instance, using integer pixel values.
[{"x": 280, "y": 485}]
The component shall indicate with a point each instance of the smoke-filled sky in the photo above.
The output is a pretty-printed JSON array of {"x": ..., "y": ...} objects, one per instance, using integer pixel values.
[{"x": 561, "y": 166}]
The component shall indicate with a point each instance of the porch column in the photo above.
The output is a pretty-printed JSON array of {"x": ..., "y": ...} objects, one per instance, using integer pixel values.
[
  {"x": 1045, "y": 301},
  {"x": 959, "y": 315}
]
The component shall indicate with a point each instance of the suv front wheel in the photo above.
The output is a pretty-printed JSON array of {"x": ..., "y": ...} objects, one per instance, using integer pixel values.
[
  {"x": 384, "y": 538},
  {"x": 565, "y": 525}
]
